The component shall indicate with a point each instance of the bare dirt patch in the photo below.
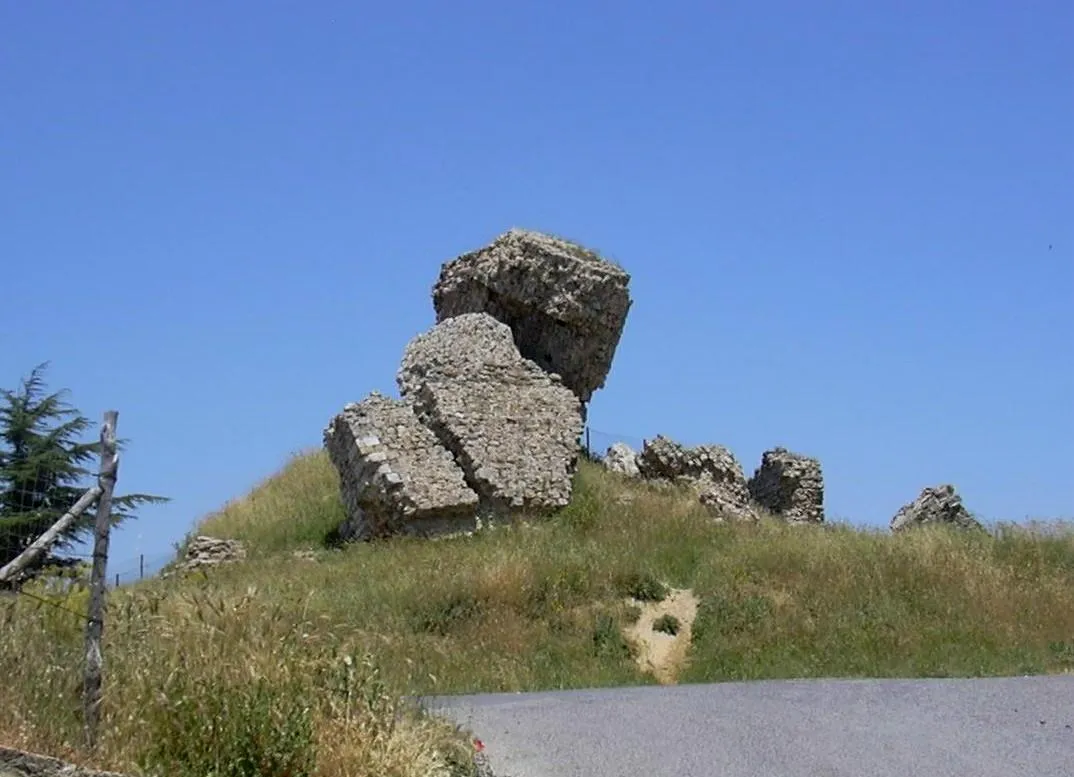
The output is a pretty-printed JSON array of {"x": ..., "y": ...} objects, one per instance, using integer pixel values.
[{"x": 659, "y": 653}]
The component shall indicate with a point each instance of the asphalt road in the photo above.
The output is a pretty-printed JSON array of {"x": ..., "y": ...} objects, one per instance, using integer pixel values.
[{"x": 1002, "y": 727}]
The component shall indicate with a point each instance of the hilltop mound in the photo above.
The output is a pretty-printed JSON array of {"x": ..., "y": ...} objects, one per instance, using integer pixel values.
[{"x": 297, "y": 631}]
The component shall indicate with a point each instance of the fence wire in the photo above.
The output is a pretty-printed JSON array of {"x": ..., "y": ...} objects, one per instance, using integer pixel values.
[
  {"x": 34, "y": 495},
  {"x": 597, "y": 441}
]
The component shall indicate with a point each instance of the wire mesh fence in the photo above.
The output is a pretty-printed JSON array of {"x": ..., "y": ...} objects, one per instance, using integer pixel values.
[
  {"x": 137, "y": 568},
  {"x": 49, "y": 500},
  {"x": 597, "y": 441},
  {"x": 38, "y": 530}
]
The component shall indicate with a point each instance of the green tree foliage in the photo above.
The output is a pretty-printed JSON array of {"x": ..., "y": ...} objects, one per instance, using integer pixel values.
[{"x": 45, "y": 466}]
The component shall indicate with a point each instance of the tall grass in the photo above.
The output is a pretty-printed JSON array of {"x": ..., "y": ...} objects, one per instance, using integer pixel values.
[
  {"x": 228, "y": 683},
  {"x": 295, "y": 509},
  {"x": 322, "y": 650}
]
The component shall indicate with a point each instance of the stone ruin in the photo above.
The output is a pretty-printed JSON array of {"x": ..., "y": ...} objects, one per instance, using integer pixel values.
[
  {"x": 711, "y": 470},
  {"x": 621, "y": 458},
  {"x": 789, "y": 485},
  {"x": 934, "y": 505},
  {"x": 203, "y": 552},
  {"x": 493, "y": 397},
  {"x": 493, "y": 402},
  {"x": 786, "y": 485}
]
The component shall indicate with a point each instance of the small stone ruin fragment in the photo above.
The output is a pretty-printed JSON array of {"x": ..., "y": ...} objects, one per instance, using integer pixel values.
[
  {"x": 789, "y": 485},
  {"x": 711, "y": 470},
  {"x": 203, "y": 552},
  {"x": 623, "y": 459},
  {"x": 934, "y": 505}
]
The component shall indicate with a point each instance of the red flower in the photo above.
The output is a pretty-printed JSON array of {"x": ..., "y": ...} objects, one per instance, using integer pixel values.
[{"x": 478, "y": 745}]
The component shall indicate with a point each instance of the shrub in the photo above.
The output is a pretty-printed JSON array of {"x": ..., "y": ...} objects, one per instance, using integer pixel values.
[
  {"x": 643, "y": 587},
  {"x": 668, "y": 624},
  {"x": 556, "y": 590}
]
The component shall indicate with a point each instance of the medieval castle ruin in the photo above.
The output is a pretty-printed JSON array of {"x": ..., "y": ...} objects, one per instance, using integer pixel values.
[{"x": 493, "y": 404}]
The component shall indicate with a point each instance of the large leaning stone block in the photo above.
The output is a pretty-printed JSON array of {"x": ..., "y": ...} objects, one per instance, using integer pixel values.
[
  {"x": 513, "y": 428},
  {"x": 395, "y": 476},
  {"x": 565, "y": 306}
]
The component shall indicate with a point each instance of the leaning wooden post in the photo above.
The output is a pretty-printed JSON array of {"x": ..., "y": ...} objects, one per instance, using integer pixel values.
[
  {"x": 106, "y": 480},
  {"x": 30, "y": 556}
]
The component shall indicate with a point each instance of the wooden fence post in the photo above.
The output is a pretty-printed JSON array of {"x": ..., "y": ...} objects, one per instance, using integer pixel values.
[{"x": 106, "y": 480}]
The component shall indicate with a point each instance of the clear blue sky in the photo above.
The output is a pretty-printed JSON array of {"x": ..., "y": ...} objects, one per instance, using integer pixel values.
[{"x": 850, "y": 225}]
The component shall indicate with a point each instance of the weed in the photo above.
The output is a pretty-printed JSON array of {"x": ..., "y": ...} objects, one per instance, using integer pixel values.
[
  {"x": 200, "y": 727},
  {"x": 608, "y": 641},
  {"x": 643, "y": 586},
  {"x": 556, "y": 591},
  {"x": 1063, "y": 651},
  {"x": 583, "y": 514},
  {"x": 442, "y": 615}
]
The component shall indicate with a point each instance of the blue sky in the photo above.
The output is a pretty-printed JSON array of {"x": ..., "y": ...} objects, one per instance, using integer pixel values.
[{"x": 850, "y": 226}]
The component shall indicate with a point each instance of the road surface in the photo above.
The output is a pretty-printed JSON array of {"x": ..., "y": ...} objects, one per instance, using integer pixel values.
[{"x": 997, "y": 727}]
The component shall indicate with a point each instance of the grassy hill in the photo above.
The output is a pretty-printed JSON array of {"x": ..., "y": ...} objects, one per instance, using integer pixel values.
[{"x": 305, "y": 658}]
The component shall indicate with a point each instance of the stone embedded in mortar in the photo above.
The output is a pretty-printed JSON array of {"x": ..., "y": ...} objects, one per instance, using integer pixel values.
[
  {"x": 623, "y": 459},
  {"x": 565, "y": 306},
  {"x": 395, "y": 476},
  {"x": 711, "y": 470},
  {"x": 512, "y": 427},
  {"x": 789, "y": 485},
  {"x": 936, "y": 504}
]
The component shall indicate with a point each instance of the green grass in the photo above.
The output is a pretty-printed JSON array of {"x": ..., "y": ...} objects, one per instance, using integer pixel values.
[{"x": 526, "y": 607}]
